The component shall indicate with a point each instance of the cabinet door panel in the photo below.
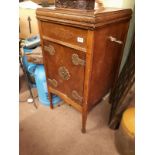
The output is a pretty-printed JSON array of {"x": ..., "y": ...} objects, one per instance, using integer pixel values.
[{"x": 65, "y": 69}]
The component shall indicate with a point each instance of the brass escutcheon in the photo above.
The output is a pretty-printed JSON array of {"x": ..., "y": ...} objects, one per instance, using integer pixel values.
[
  {"x": 50, "y": 49},
  {"x": 77, "y": 61},
  {"x": 53, "y": 82},
  {"x": 64, "y": 73},
  {"x": 76, "y": 96}
]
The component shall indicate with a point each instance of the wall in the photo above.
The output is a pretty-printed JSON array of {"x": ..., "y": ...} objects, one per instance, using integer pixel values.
[{"x": 119, "y": 3}]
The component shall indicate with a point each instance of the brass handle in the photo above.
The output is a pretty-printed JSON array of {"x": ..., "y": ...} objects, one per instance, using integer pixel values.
[
  {"x": 64, "y": 73},
  {"x": 50, "y": 49},
  {"x": 53, "y": 82},
  {"x": 76, "y": 96},
  {"x": 77, "y": 61},
  {"x": 113, "y": 39}
]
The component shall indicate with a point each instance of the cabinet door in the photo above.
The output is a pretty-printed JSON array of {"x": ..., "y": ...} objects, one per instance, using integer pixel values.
[{"x": 65, "y": 69}]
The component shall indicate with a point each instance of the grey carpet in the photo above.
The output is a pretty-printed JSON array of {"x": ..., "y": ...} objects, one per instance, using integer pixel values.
[{"x": 58, "y": 132}]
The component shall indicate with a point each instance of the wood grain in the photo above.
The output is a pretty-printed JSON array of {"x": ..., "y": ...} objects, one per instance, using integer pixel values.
[
  {"x": 107, "y": 56},
  {"x": 66, "y": 99},
  {"x": 63, "y": 57},
  {"x": 84, "y": 19},
  {"x": 104, "y": 32}
]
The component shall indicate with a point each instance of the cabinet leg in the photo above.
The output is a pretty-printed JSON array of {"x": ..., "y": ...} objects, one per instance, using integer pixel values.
[
  {"x": 50, "y": 99},
  {"x": 84, "y": 119}
]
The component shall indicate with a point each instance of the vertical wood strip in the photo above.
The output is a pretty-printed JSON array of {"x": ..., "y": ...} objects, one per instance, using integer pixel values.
[{"x": 88, "y": 70}]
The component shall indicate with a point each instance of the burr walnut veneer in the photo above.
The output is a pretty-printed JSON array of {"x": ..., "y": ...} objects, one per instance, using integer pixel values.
[{"x": 82, "y": 51}]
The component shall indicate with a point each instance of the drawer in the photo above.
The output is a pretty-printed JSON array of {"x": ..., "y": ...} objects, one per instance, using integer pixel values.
[
  {"x": 65, "y": 69},
  {"x": 65, "y": 34}
]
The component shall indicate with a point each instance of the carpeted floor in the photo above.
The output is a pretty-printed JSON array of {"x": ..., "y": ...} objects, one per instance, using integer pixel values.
[{"x": 58, "y": 132}]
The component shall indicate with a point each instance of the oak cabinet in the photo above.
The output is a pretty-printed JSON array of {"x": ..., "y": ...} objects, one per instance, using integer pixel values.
[{"x": 82, "y": 51}]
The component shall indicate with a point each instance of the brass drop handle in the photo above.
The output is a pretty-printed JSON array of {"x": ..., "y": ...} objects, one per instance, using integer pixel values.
[
  {"x": 76, "y": 96},
  {"x": 64, "y": 73},
  {"x": 53, "y": 82},
  {"x": 50, "y": 49},
  {"x": 113, "y": 39},
  {"x": 77, "y": 61}
]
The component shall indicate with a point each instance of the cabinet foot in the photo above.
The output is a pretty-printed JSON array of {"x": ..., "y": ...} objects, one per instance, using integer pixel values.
[
  {"x": 51, "y": 106},
  {"x": 83, "y": 130},
  {"x": 84, "y": 119},
  {"x": 50, "y": 99}
]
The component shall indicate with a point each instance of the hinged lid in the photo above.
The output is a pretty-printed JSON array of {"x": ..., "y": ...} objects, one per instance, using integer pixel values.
[{"x": 83, "y": 18}]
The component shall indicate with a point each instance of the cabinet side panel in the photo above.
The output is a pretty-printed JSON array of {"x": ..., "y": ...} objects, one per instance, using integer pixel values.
[{"x": 108, "y": 49}]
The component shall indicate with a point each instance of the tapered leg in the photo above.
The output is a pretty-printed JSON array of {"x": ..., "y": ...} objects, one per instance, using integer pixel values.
[
  {"x": 50, "y": 99},
  {"x": 84, "y": 119}
]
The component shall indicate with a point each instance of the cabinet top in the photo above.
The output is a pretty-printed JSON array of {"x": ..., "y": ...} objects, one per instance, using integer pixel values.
[{"x": 83, "y": 18}]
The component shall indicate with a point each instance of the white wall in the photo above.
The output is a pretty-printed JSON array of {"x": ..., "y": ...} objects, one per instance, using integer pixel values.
[{"x": 119, "y": 3}]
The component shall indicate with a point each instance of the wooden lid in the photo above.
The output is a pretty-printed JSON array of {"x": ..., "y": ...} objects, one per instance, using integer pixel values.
[
  {"x": 128, "y": 121},
  {"x": 83, "y": 18}
]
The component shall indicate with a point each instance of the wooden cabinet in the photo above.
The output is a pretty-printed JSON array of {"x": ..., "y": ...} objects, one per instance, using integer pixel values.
[{"x": 82, "y": 52}]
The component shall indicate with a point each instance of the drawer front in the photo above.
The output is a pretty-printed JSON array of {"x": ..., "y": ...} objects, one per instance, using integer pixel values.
[
  {"x": 65, "y": 69},
  {"x": 67, "y": 34}
]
